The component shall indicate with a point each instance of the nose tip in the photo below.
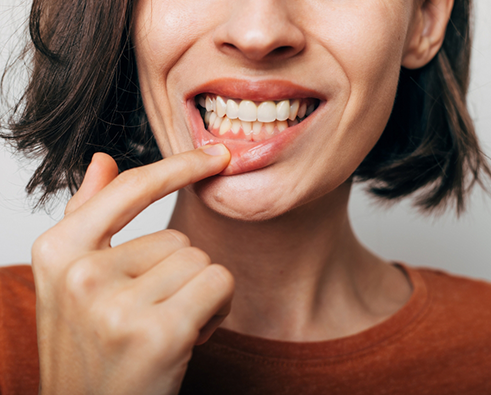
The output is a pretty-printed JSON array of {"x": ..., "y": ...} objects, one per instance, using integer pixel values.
[{"x": 260, "y": 30}]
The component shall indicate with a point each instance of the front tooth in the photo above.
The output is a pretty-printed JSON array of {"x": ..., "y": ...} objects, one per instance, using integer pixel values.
[
  {"x": 213, "y": 118},
  {"x": 236, "y": 125},
  {"x": 247, "y": 111},
  {"x": 283, "y": 110},
  {"x": 269, "y": 127},
  {"x": 294, "y": 109},
  {"x": 247, "y": 127},
  {"x": 302, "y": 110},
  {"x": 310, "y": 110},
  {"x": 256, "y": 127},
  {"x": 281, "y": 125},
  {"x": 225, "y": 126},
  {"x": 217, "y": 123},
  {"x": 266, "y": 112},
  {"x": 209, "y": 104},
  {"x": 221, "y": 107},
  {"x": 232, "y": 109}
]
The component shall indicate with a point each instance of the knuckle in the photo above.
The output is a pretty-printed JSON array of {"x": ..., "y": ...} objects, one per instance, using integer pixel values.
[
  {"x": 112, "y": 323},
  {"x": 44, "y": 252},
  {"x": 221, "y": 277},
  {"x": 82, "y": 278},
  {"x": 181, "y": 238},
  {"x": 196, "y": 256},
  {"x": 154, "y": 335},
  {"x": 41, "y": 249}
]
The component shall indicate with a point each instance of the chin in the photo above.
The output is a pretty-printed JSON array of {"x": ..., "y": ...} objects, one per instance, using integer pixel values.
[{"x": 244, "y": 197}]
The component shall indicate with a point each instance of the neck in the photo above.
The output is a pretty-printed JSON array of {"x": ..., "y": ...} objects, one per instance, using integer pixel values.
[{"x": 302, "y": 276}]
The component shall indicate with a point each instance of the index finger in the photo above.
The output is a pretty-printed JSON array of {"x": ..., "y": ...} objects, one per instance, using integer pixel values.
[{"x": 133, "y": 190}]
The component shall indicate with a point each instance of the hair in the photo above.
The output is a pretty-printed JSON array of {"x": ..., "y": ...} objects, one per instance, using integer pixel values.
[{"x": 83, "y": 97}]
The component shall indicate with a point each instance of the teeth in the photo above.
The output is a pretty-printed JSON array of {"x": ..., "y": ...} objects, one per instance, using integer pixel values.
[
  {"x": 310, "y": 110},
  {"x": 269, "y": 126},
  {"x": 292, "y": 123},
  {"x": 232, "y": 109},
  {"x": 202, "y": 101},
  {"x": 236, "y": 125},
  {"x": 213, "y": 118},
  {"x": 302, "y": 110},
  {"x": 294, "y": 110},
  {"x": 247, "y": 127},
  {"x": 247, "y": 111},
  {"x": 224, "y": 115},
  {"x": 209, "y": 104},
  {"x": 217, "y": 123},
  {"x": 225, "y": 126},
  {"x": 283, "y": 110},
  {"x": 221, "y": 107},
  {"x": 266, "y": 112},
  {"x": 281, "y": 125},
  {"x": 256, "y": 127}
]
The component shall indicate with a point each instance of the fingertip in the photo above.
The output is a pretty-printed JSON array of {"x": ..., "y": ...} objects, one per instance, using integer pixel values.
[
  {"x": 102, "y": 167},
  {"x": 218, "y": 155},
  {"x": 216, "y": 150}
]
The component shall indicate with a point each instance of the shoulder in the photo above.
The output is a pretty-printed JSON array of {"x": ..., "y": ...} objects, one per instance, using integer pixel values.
[
  {"x": 458, "y": 309},
  {"x": 458, "y": 293}
]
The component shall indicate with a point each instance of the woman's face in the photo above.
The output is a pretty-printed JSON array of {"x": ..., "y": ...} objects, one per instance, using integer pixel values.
[{"x": 265, "y": 60}]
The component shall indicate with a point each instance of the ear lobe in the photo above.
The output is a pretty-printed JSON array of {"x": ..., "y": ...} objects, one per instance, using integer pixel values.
[{"x": 427, "y": 32}]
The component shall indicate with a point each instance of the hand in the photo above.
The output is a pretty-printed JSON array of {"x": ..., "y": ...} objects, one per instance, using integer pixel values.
[{"x": 124, "y": 320}]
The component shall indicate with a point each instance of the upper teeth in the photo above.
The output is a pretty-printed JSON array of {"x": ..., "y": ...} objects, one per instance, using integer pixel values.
[{"x": 248, "y": 111}]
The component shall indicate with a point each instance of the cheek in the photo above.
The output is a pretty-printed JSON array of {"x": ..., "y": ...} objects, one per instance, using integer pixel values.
[
  {"x": 163, "y": 30},
  {"x": 367, "y": 39}
]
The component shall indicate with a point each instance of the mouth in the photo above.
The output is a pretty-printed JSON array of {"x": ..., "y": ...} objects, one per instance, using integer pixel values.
[
  {"x": 256, "y": 121},
  {"x": 247, "y": 120}
]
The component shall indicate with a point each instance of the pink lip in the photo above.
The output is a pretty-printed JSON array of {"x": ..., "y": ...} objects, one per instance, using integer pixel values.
[{"x": 246, "y": 155}]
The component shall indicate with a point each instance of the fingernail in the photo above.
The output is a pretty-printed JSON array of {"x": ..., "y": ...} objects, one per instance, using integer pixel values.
[{"x": 215, "y": 150}]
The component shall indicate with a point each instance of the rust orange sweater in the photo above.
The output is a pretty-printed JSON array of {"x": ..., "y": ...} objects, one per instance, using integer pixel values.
[{"x": 438, "y": 343}]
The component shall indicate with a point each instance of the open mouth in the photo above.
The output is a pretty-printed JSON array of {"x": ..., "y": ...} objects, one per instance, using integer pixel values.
[{"x": 248, "y": 120}]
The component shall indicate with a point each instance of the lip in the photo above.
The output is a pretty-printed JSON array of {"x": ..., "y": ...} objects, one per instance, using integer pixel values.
[
  {"x": 260, "y": 90},
  {"x": 248, "y": 156}
]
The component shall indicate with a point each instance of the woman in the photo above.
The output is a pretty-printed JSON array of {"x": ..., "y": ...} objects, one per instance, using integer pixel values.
[{"x": 266, "y": 112}]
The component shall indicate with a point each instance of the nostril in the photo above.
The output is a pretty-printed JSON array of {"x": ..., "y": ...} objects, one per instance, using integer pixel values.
[
  {"x": 229, "y": 46},
  {"x": 281, "y": 51}
]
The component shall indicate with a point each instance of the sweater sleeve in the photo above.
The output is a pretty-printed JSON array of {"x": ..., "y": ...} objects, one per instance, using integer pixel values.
[{"x": 19, "y": 365}]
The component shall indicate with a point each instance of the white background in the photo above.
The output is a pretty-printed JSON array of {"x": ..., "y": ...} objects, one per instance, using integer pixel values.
[{"x": 398, "y": 233}]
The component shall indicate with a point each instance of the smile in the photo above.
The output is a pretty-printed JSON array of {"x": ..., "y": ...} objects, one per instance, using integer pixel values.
[
  {"x": 251, "y": 121},
  {"x": 258, "y": 121}
]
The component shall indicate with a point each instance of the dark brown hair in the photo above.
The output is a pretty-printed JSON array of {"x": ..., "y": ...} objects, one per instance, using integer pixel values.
[{"x": 83, "y": 97}]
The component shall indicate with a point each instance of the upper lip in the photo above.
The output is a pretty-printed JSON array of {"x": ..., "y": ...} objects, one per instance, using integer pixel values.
[{"x": 257, "y": 90}]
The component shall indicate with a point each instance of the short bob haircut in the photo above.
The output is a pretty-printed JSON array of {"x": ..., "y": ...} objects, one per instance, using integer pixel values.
[{"x": 83, "y": 97}]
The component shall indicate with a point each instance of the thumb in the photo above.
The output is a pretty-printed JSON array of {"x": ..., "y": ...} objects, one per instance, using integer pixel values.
[{"x": 101, "y": 171}]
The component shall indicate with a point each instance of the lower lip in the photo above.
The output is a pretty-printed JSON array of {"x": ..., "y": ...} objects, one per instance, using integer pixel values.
[{"x": 246, "y": 156}]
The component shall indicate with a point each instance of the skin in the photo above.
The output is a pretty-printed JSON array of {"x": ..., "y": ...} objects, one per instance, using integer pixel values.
[{"x": 124, "y": 320}]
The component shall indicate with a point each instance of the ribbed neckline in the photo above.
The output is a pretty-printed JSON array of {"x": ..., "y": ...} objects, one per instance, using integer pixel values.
[{"x": 396, "y": 324}]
